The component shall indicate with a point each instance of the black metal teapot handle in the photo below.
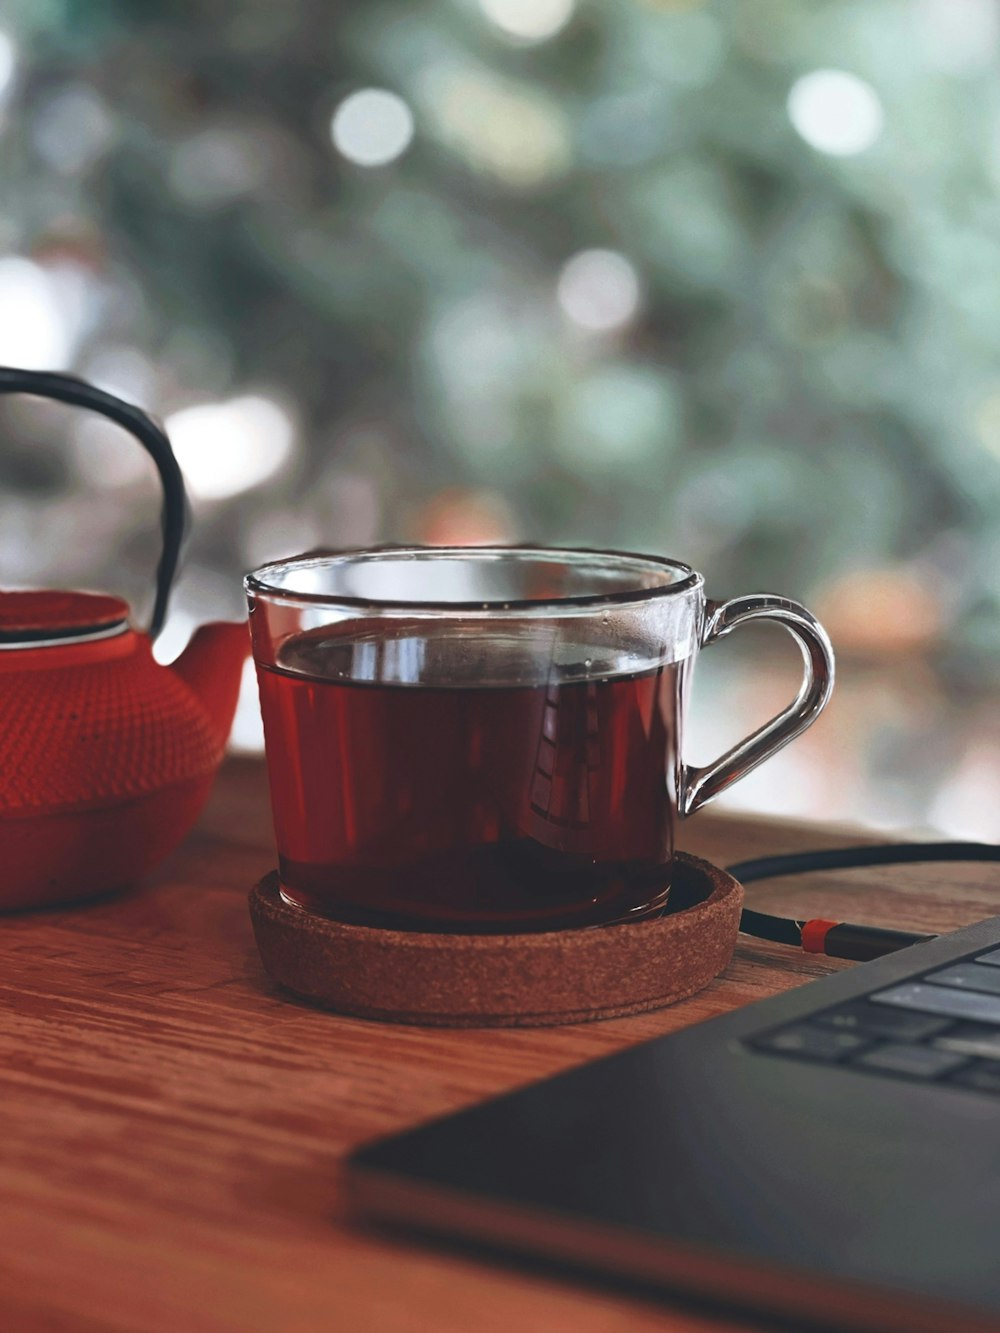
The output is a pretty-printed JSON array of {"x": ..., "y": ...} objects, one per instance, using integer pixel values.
[{"x": 78, "y": 393}]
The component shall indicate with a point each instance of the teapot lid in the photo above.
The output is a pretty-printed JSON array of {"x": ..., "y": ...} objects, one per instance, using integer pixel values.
[{"x": 41, "y": 619}]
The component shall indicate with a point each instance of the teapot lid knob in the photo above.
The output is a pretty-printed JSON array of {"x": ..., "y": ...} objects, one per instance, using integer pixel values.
[{"x": 41, "y": 619}]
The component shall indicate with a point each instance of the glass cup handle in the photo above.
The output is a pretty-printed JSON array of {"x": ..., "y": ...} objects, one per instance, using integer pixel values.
[{"x": 700, "y": 785}]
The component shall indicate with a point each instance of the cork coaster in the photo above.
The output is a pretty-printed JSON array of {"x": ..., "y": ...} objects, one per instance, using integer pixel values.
[{"x": 527, "y": 980}]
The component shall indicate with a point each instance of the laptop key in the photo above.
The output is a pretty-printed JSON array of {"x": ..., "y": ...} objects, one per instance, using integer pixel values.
[
  {"x": 940, "y": 1000},
  {"x": 968, "y": 976},
  {"x": 923, "y": 1062},
  {"x": 982, "y": 1076},
  {"x": 808, "y": 1042},
  {"x": 972, "y": 1039},
  {"x": 993, "y": 958},
  {"x": 875, "y": 1020}
]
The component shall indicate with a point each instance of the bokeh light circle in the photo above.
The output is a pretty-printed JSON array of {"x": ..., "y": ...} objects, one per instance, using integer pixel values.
[
  {"x": 225, "y": 448},
  {"x": 8, "y": 63},
  {"x": 372, "y": 127},
  {"x": 835, "y": 112},
  {"x": 528, "y": 20},
  {"x": 599, "y": 290}
]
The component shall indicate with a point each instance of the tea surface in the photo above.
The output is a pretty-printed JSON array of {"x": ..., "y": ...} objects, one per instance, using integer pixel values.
[{"x": 412, "y": 790}]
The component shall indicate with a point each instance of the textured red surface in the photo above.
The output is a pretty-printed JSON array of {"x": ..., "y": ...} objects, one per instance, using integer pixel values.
[
  {"x": 58, "y": 611},
  {"x": 101, "y": 732},
  {"x": 106, "y": 758},
  {"x": 61, "y": 858}
]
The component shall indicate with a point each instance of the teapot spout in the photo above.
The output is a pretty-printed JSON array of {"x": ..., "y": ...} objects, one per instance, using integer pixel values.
[{"x": 212, "y": 665}]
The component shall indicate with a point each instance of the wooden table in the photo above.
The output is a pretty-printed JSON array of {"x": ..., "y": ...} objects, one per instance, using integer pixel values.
[{"x": 172, "y": 1127}]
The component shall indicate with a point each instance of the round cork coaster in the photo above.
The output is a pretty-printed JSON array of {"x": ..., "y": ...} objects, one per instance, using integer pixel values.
[{"x": 527, "y": 980}]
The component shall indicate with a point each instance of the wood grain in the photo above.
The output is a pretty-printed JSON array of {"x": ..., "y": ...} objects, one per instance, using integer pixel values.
[{"x": 172, "y": 1127}]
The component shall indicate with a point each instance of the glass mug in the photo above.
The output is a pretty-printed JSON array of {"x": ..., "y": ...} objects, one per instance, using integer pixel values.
[{"x": 486, "y": 739}]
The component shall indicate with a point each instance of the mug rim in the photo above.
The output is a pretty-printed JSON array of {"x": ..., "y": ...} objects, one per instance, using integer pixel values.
[{"x": 256, "y": 582}]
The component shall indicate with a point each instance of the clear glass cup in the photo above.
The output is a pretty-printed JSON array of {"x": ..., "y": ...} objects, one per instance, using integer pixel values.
[{"x": 490, "y": 738}]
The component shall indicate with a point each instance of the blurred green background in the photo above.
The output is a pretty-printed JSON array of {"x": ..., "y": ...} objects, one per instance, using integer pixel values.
[{"x": 715, "y": 280}]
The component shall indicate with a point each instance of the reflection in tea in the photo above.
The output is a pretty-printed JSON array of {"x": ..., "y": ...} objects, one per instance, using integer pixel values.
[{"x": 413, "y": 790}]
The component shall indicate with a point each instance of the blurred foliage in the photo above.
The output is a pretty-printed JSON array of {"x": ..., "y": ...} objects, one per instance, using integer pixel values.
[{"x": 808, "y": 386}]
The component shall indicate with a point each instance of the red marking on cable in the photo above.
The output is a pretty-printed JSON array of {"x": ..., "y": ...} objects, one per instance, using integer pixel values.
[{"x": 814, "y": 935}]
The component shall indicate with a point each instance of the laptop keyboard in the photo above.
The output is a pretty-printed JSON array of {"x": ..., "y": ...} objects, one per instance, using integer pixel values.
[{"x": 942, "y": 1026}]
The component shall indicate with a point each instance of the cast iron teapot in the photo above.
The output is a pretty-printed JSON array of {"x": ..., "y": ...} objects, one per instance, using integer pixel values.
[{"x": 106, "y": 757}]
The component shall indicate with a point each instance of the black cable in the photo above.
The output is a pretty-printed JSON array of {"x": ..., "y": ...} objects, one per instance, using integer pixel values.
[{"x": 844, "y": 939}]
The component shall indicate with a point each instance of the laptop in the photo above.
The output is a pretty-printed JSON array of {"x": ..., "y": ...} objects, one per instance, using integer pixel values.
[{"x": 831, "y": 1155}]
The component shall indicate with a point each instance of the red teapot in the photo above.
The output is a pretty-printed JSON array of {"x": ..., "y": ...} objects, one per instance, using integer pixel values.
[{"x": 106, "y": 757}]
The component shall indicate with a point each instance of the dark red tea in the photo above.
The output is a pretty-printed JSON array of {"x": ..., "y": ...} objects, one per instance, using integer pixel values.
[{"x": 411, "y": 790}]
